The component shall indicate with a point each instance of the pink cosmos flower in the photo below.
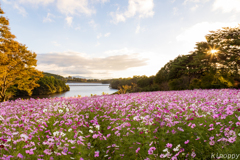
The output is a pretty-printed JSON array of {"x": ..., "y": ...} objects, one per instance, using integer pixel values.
[
  {"x": 211, "y": 138},
  {"x": 20, "y": 155},
  {"x": 96, "y": 154},
  {"x": 193, "y": 154},
  {"x": 95, "y": 136},
  {"x": 186, "y": 142},
  {"x": 29, "y": 151},
  {"x": 211, "y": 143},
  {"x": 169, "y": 145},
  {"x": 193, "y": 125},
  {"x": 162, "y": 155},
  {"x": 150, "y": 151},
  {"x": 231, "y": 139},
  {"x": 174, "y": 158},
  {"x": 137, "y": 149},
  {"x": 47, "y": 151}
]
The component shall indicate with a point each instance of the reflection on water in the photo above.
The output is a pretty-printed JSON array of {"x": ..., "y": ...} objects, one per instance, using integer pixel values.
[{"x": 83, "y": 89}]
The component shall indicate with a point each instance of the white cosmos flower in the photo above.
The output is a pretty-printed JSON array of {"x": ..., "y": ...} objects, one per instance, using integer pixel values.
[
  {"x": 14, "y": 133},
  {"x": 62, "y": 134},
  {"x": 56, "y": 133},
  {"x": 97, "y": 126},
  {"x": 67, "y": 109},
  {"x": 91, "y": 131},
  {"x": 60, "y": 110},
  {"x": 1, "y": 118},
  {"x": 45, "y": 110},
  {"x": 175, "y": 149},
  {"x": 24, "y": 136},
  {"x": 69, "y": 130},
  {"x": 165, "y": 150}
]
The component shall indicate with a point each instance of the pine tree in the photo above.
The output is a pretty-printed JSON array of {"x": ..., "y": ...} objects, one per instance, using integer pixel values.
[{"x": 17, "y": 64}]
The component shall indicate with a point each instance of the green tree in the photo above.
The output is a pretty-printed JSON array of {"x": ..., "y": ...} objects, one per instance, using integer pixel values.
[
  {"x": 17, "y": 64},
  {"x": 227, "y": 42}
]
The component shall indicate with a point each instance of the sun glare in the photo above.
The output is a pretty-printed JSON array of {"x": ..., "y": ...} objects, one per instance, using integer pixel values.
[{"x": 213, "y": 51}]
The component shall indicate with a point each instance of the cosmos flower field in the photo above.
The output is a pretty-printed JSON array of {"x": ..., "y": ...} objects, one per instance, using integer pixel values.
[{"x": 193, "y": 124}]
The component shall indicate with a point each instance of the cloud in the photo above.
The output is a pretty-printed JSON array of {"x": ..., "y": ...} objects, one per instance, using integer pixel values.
[
  {"x": 92, "y": 24},
  {"x": 21, "y": 10},
  {"x": 78, "y": 28},
  {"x": 175, "y": 11},
  {"x": 77, "y": 63},
  {"x": 48, "y": 18},
  {"x": 117, "y": 17},
  {"x": 75, "y": 7},
  {"x": 36, "y": 2},
  {"x": 197, "y": 33},
  {"x": 194, "y": 7},
  {"x": 98, "y": 44},
  {"x": 69, "y": 20},
  {"x": 107, "y": 34},
  {"x": 55, "y": 43},
  {"x": 195, "y": 1},
  {"x": 227, "y": 6},
  {"x": 101, "y": 1},
  {"x": 138, "y": 29},
  {"x": 99, "y": 35},
  {"x": 15, "y": 5},
  {"x": 142, "y": 8}
]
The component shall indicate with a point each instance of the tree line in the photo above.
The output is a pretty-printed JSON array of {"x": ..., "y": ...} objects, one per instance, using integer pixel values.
[{"x": 213, "y": 64}]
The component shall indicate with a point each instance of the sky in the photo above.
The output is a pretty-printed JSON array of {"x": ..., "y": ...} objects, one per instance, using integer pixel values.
[{"x": 114, "y": 38}]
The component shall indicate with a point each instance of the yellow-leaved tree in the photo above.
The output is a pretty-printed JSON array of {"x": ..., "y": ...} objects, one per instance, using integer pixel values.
[{"x": 17, "y": 64}]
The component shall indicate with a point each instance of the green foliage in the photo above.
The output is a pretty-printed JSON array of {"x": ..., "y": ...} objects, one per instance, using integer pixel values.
[
  {"x": 181, "y": 83},
  {"x": 50, "y": 85},
  {"x": 54, "y": 75}
]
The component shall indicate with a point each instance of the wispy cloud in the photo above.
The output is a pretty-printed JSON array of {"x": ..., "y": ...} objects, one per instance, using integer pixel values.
[
  {"x": 48, "y": 18},
  {"x": 55, "y": 43},
  {"x": 142, "y": 8},
  {"x": 194, "y": 1},
  {"x": 36, "y": 2},
  {"x": 138, "y": 29},
  {"x": 73, "y": 7},
  {"x": 98, "y": 44},
  {"x": 227, "y": 6},
  {"x": 175, "y": 10},
  {"x": 194, "y": 7},
  {"x": 92, "y": 24},
  {"x": 99, "y": 35},
  {"x": 78, "y": 63},
  {"x": 107, "y": 34},
  {"x": 15, "y": 5},
  {"x": 69, "y": 20}
]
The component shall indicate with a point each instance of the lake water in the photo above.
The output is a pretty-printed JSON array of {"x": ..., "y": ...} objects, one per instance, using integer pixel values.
[{"x": 83, "y": 89}]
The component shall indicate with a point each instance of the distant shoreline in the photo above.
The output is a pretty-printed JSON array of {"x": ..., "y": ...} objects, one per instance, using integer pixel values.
[{"x": 86, "y": 82}]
